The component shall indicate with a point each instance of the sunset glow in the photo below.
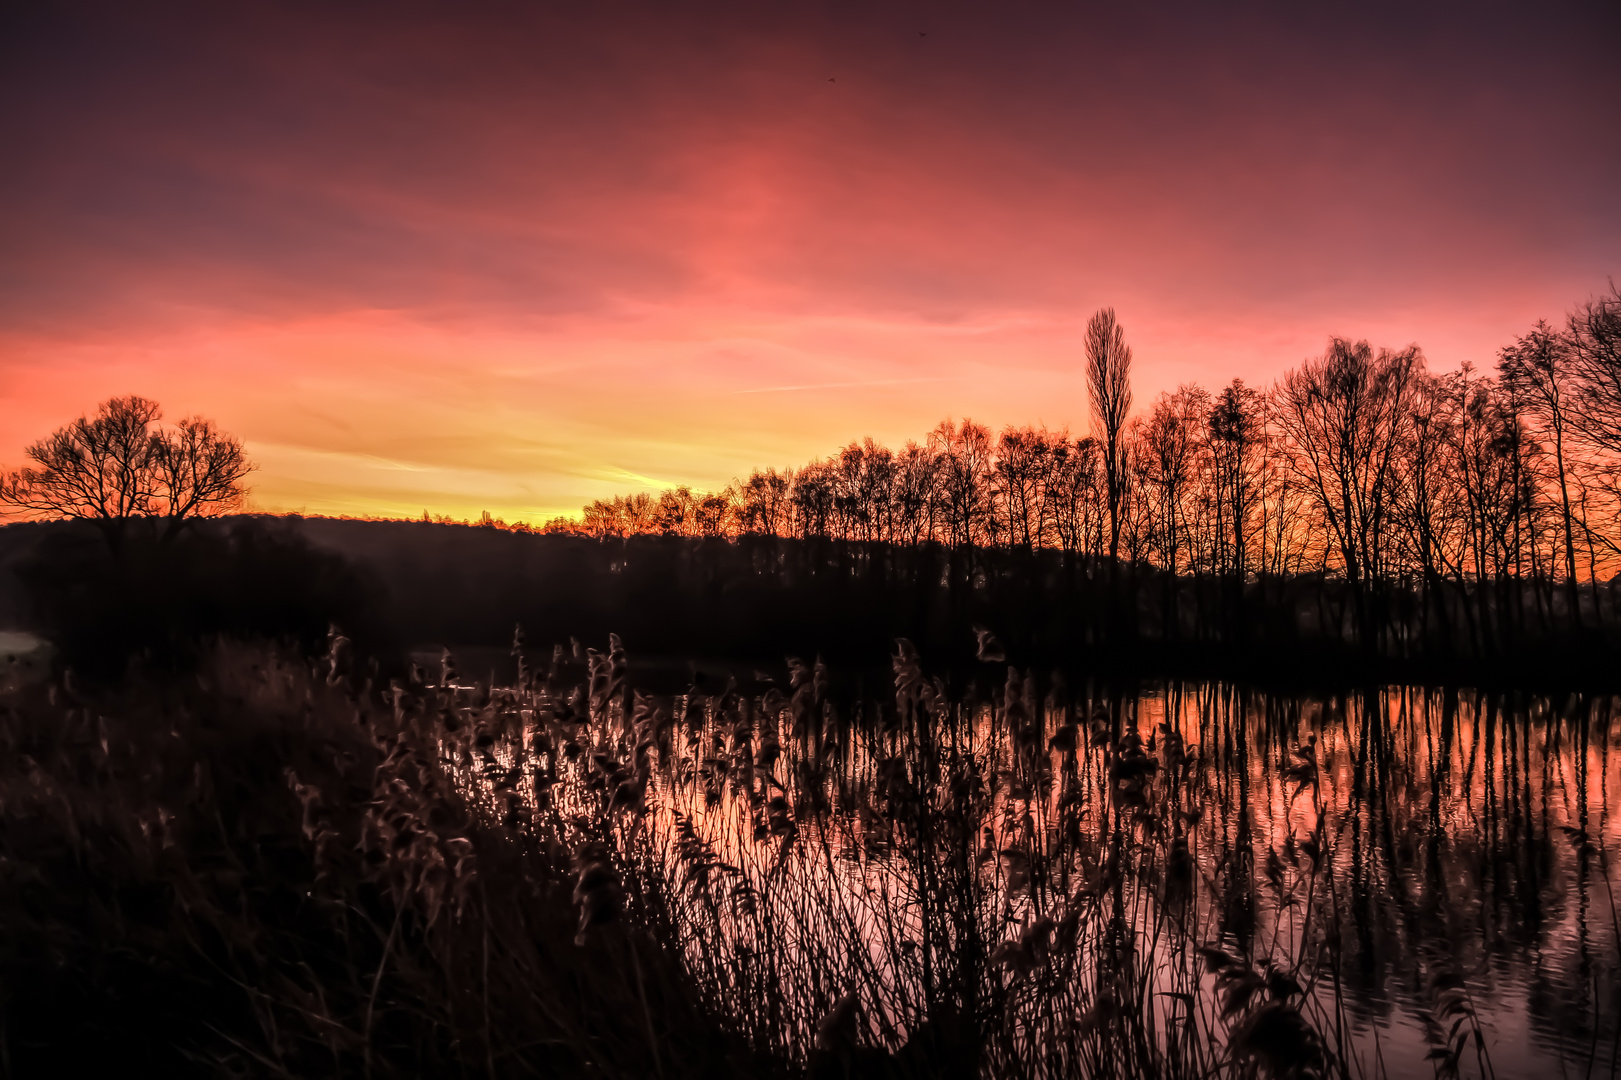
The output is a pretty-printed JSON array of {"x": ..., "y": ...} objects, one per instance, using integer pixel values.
[{"x": 520, "y": 261}]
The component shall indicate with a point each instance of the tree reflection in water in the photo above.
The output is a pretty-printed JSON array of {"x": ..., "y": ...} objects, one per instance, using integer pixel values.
[{"x": 1187, "y": 879}]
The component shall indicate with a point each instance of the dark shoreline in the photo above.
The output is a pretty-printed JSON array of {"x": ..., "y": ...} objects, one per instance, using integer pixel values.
[{"x": 755, "y": 600}]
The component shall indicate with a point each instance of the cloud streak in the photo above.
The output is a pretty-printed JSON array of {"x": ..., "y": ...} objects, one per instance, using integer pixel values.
[
  {"x": 840, "y": 385},
  {"x": 515, "y": 243}
]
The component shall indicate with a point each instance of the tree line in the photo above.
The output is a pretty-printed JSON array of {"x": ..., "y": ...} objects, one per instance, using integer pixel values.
[{"x": 1459, "y": 509}]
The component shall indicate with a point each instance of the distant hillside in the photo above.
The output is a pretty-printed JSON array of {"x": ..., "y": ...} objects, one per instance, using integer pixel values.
[
  {"x": 750, "y": 600},
  {"x": 467, "y": 586},
  {"x": 17, "y": 542}
]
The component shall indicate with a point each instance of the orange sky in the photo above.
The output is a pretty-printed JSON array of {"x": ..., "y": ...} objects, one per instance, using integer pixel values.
[{"x": 514, "y": 259}]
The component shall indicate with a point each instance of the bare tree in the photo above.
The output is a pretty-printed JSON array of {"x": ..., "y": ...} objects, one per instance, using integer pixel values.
[
  {"x": 1234, "y": 434},
  {"x": 1537, "y": 371},
  {"x": 1448, "y": 503},
  {"x": 713, "y": 515},
  {"x": 917, "y": 496},
  {"x": 1108, "y": 378},
  {"x": 199, "y": 470},
  {"x": 1427, "y": 498},
  {"x": 1071, "y": 493},
  {"x": 1345, "y": 415},
  {"x": 812, "y": 501},
  {"x": 765, "y": 501},
  {"x": 678, "y": 511},
  {"x": 1170, "y": 447},
  {"x": 965, "y": 456},
  {"x": 1023, "y": 462},
  {"x": 1594, "y": 333},
  {"x": 864, "y": 474},
  {"x": 117, "y": 466}
]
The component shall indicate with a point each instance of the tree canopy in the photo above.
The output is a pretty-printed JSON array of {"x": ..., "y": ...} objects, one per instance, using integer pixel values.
[{"x": 119, "y": 466}]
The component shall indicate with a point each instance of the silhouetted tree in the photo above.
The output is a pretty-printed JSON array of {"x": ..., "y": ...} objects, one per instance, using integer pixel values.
[
  {"x": 118, "y": 466},
  {"x": 1402, "y": 506},
  {"x": 1171, "y": 441},
  {"x": 1345, "y": 415},
  {"x": 1023, "y": 465},
  {"x": 965, "y": 462},
  {"x": 917, "y": 495},
  {"x": 1538, "y": 370},
  {"x": 1074, "y": 494},
  {"x": 812, "y": 500},
  {"x": 1234, "y": 430},
  {"x": 1108, "y": 379},
  {"x": 764, "y": 507},
  {"x": 1594, "y": 331},
  {"x": 1426, "y": 506}
]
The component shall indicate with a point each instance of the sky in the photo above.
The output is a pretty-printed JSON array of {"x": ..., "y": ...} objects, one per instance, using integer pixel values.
[{"x": 514, "y": 257}]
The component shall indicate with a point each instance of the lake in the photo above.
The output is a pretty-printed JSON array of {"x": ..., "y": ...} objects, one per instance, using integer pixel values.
[{"x": 1418, "y": 876}]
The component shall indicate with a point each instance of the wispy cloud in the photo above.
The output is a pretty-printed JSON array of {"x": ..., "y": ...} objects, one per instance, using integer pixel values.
[
  {"x": 841, "y": 385},
  {"x": 615, "y": 473},
  {"x": 621, "y": 223}
]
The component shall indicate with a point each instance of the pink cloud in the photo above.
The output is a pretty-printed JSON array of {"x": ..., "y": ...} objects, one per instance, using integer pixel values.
[{"x": 516, "y": 258}]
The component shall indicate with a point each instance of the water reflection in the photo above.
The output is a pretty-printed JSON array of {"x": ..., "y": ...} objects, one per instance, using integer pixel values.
[
  {"x": 1465, "y": 840},
  {"x": 1059, "y": 880}
]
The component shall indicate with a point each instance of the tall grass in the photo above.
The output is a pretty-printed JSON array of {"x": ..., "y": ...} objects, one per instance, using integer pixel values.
[
  {"x": 274, "y": 869},
  {"x": 269, "y": 872},
  {"x": 923, "y": 885}
]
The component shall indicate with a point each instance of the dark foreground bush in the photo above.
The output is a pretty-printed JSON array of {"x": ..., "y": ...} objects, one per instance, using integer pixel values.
[
  {"x": 154, "y": 602},
  {"x": 257, "y": 874}
]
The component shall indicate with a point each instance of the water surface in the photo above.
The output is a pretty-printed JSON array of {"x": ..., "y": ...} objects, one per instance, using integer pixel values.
[{"x": 1432, "y": 868}]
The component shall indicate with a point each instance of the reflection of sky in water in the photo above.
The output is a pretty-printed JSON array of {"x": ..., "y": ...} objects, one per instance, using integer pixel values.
[
  {"x": 1448, "y": 845},
  {"x": 24, "y": 658},
  {"x": 1461, "y": 848}
]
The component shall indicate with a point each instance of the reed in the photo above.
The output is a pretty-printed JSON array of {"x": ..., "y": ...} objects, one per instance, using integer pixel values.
[
  {"x": 275, "y": 871},
  {"x": 284, "y": 869},
  {"x": 919, "y": 885}
]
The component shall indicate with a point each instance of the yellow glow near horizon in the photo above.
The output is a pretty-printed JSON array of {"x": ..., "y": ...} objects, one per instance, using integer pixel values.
[{"x": 522, "y": 260}]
